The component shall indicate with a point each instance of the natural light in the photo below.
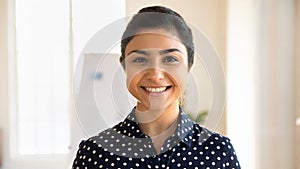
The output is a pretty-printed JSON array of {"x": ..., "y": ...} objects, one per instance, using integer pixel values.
[{"x": 42, "y": 45}]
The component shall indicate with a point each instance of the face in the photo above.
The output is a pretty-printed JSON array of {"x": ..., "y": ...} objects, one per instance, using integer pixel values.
[{"x": 156, "y": 69}]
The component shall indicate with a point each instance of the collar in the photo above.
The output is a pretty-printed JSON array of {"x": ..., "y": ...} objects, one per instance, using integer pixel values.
[{"x": 182, "y": 132}]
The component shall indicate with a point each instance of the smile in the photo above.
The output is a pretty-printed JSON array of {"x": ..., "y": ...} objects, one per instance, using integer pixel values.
[{"x": 156, "y": 89}]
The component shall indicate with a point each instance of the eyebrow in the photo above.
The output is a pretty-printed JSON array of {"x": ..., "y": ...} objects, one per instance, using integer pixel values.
[
  {"x": 139, "y": 52},
  {"x": 161, "y": 52}
]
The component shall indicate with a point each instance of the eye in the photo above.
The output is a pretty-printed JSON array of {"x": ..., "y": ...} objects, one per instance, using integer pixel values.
[
  {"x": 170, "y": 59},
  {"x": 139, "y": 60}
]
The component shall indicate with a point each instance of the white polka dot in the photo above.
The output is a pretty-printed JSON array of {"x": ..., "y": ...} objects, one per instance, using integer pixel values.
[{"x": 117, "y": 150}]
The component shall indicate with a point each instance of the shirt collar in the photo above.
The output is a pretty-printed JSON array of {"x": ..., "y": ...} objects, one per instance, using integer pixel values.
[{"x": 183, "y": 129}]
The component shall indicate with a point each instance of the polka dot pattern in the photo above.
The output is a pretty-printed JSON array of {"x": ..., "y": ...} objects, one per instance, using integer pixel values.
[{"x": 126, "y": 146}]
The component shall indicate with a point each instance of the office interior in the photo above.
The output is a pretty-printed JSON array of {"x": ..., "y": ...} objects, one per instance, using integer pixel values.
[{"x": 257, "y": 43}]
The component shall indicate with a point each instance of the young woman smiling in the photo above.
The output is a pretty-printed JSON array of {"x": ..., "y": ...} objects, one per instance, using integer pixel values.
[{"x": 157, "y": 55}]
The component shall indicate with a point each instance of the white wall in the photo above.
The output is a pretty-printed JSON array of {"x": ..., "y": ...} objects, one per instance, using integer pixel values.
[
  {"x": 277, "y": 84},
  {"x": 241, "y": 79},
  {"x": 261, "y": 82}
]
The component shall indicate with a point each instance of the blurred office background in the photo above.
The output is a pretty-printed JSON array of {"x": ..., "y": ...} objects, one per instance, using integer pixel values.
[{"x": 40, "y": 42}]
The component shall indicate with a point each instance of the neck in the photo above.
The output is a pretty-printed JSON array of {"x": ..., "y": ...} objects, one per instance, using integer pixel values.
[
  {"x": 156, "y": 122},
  {"x": 159, "y": 125}
]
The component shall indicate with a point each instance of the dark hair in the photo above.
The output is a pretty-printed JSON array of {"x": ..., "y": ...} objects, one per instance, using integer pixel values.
[{"x": 159, "y": 17}]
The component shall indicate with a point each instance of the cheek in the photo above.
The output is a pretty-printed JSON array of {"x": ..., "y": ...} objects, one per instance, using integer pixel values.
[
  {"x": 129, "y": 76},
  {"x": 182, "y": 81},
  {"x": 179, "y": 76},
  {"x": 132, "y": 79}
]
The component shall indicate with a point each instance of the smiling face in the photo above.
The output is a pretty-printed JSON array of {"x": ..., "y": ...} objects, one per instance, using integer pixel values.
[{"x": 156, "y": 69}]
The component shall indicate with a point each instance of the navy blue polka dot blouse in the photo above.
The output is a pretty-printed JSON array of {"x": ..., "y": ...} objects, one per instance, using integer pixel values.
[{"x": 126, "y": 146}]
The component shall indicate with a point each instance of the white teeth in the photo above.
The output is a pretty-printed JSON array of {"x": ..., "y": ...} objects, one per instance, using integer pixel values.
[{"x": 156, "y": 90}]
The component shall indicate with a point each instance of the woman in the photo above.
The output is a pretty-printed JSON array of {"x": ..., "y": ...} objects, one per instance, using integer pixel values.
[{"x": 157, "y": 55}]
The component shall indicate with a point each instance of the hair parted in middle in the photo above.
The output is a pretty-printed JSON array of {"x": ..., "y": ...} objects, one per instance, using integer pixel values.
[{"x": 159, "y": 17}]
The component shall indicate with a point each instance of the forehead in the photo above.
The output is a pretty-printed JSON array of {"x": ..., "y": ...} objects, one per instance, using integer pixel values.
[{"x": 154, "y": 39}]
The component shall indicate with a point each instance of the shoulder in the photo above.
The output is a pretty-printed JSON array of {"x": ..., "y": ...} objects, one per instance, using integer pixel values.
[
  {"x": 94, "y": 144},
  {"x": 217, "y": 146},
  {"x": 87, "y": 154},
  {"x": 212, "y": 139}
]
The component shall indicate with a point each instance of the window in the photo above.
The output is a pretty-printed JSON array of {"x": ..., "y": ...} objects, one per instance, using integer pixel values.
[
  {"x": 40, "y": 55},
  {"x": 42, "y": 76}
]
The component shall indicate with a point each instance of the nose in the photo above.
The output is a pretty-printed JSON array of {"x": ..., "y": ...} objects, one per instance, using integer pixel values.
[{"x": 155, "y": 74}]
